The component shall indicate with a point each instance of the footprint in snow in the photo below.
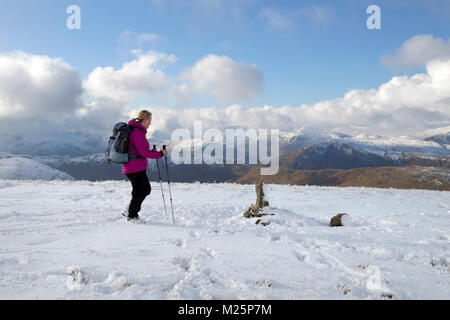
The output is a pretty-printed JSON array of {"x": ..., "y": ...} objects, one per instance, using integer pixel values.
[
  {"x": 210, "y": 252},
  {"x": 275, "y": 236},
  {"x": 118, "y": 281},
  {"x": 300, "y": 256},
  {"x": 184, "y": 263},
  {"x": 194, "y": 234},
  {"x": 344, "y": 289},
  {"x": 180, "y": 243},
  {"x": 75, "y": 278}
]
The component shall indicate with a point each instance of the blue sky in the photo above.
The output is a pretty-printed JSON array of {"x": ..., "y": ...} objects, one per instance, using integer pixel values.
[{"x": 305, "y": 58}]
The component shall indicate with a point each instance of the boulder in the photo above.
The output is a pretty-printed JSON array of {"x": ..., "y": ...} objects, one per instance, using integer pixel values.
[{"x": 336, "y": 221}]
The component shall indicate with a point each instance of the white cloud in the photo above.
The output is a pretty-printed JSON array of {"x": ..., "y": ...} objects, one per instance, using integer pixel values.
[
  {"x": 50, "y": 92},
  {"x": 129, "y": 40},
  {"x": 403, "y": 105},
  {"x": 32, "y": 86},
  {"x": 417, "y": 51},
  {"x": 286, "y": 19},
  {"x": 43, "y": 96},
  {"x": 139, "y": 76},
  {"x": 228, "y": 81},
  {"x": 41, "y": 100},
  {"x": 182, "y": 94},
  {"x": 277, "y": 19},
  {"x": 322, "y": 15}
]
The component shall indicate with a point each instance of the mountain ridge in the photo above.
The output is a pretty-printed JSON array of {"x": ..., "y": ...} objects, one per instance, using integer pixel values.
[{"x": 321, "y": 153}]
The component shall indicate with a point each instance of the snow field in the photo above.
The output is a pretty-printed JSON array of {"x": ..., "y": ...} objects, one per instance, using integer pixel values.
[{"x": 67, "y": 240}]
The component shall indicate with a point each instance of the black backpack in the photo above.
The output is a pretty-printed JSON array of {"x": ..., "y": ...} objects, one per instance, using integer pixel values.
[{"x": 117, "y": 150}]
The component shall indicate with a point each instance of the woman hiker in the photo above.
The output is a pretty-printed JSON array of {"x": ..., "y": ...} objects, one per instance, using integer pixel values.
[{"x": 136, "y": 169}]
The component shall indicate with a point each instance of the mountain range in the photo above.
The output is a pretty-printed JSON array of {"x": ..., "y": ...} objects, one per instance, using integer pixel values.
[{"x": 320, "y": 159}]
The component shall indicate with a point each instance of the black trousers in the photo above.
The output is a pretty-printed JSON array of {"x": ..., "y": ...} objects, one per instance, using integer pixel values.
[{"x": 141, "y": 189}]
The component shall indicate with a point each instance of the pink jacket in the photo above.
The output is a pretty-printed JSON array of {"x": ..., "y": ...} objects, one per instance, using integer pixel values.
[{"x": 138, "y": 144}]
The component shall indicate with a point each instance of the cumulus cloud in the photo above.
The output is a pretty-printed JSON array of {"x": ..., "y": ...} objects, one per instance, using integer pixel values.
[
  {"x": 182, "y": 94},
  {"x": 99, "y": 115},
  {"x": 33, "y": 85},
  {"x": 403, "y": 105},
  {"x": 41, "y": 101},
  {"x": 417, "y": 51},
  {"x": 139, "y": 76},
  {"x": 130, "y": 40},
  {"x": 228, "y": 81},
  {"x": 44, "y": 96}
]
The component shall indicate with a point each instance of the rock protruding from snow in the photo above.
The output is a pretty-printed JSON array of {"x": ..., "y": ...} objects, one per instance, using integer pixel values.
[
  {"x": 260, "y": 196},
  {"x": 254, "y": 211},
  {"x": 338, "y": 220}
]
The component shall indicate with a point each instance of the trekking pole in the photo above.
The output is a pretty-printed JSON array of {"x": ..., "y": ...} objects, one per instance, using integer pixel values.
[
  {"x": 160, "y": 182},
  {"x": 168, "y": 182}
]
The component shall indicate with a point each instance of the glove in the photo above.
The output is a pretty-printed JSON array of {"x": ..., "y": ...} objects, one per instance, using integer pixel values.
[{"x": 163, "y": 151}]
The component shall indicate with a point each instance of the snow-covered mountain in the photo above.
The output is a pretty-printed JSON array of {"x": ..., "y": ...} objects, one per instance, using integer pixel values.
[
  {"x": 28, "y": 169},
  {"x": 443, "y": 138},
  {"x": 334, "y": 155},
  {"x": 73, "y": 144},
  {"x": 311, "y": 151},
  {"x": 67, "y": 240},
  {"x": 386, "y": 146},
  {"x": 436, "y": 131}
]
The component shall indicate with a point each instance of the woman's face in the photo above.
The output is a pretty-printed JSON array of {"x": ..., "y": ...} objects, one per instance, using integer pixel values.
[{"x": 147, "y": 122}]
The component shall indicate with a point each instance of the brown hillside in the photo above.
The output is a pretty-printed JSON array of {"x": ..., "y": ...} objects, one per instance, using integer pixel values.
[{"x": 409, "y": 177}]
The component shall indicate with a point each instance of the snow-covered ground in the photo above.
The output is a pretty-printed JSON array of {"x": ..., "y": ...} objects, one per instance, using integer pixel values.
[{"x": 67, "y": 240}]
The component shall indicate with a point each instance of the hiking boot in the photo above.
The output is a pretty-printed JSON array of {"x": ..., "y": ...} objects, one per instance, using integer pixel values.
[
  {"x": 135, "y": 219},
  {"x": 125, "y": 211}
]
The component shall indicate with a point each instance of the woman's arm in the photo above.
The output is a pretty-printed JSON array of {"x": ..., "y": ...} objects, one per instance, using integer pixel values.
[{"x": 142, "y": 148}]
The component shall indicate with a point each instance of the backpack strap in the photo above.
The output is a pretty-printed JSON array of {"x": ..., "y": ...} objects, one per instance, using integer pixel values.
[{"x": 133, "y": 156}]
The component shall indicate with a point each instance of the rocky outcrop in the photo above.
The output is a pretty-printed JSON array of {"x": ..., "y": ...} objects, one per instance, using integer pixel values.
[{"x": 255, "y": 210}]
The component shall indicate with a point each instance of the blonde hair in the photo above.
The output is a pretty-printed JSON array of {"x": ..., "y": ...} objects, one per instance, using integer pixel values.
[{"x": 142, "y": 115}]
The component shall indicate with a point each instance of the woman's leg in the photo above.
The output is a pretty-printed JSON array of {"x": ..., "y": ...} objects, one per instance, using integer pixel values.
[{"x": 141, "y": 189}]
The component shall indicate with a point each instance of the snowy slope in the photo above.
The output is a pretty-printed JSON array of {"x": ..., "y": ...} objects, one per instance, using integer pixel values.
[
  {"x": 437, "y": 131},
  {"x": 389, "y": 146},
  {"x": 70, "y": 143},
  {"x": 66, "y": 240},
  {"x": 394, "y": 147},
  {"x": 23, "y": 168}
]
